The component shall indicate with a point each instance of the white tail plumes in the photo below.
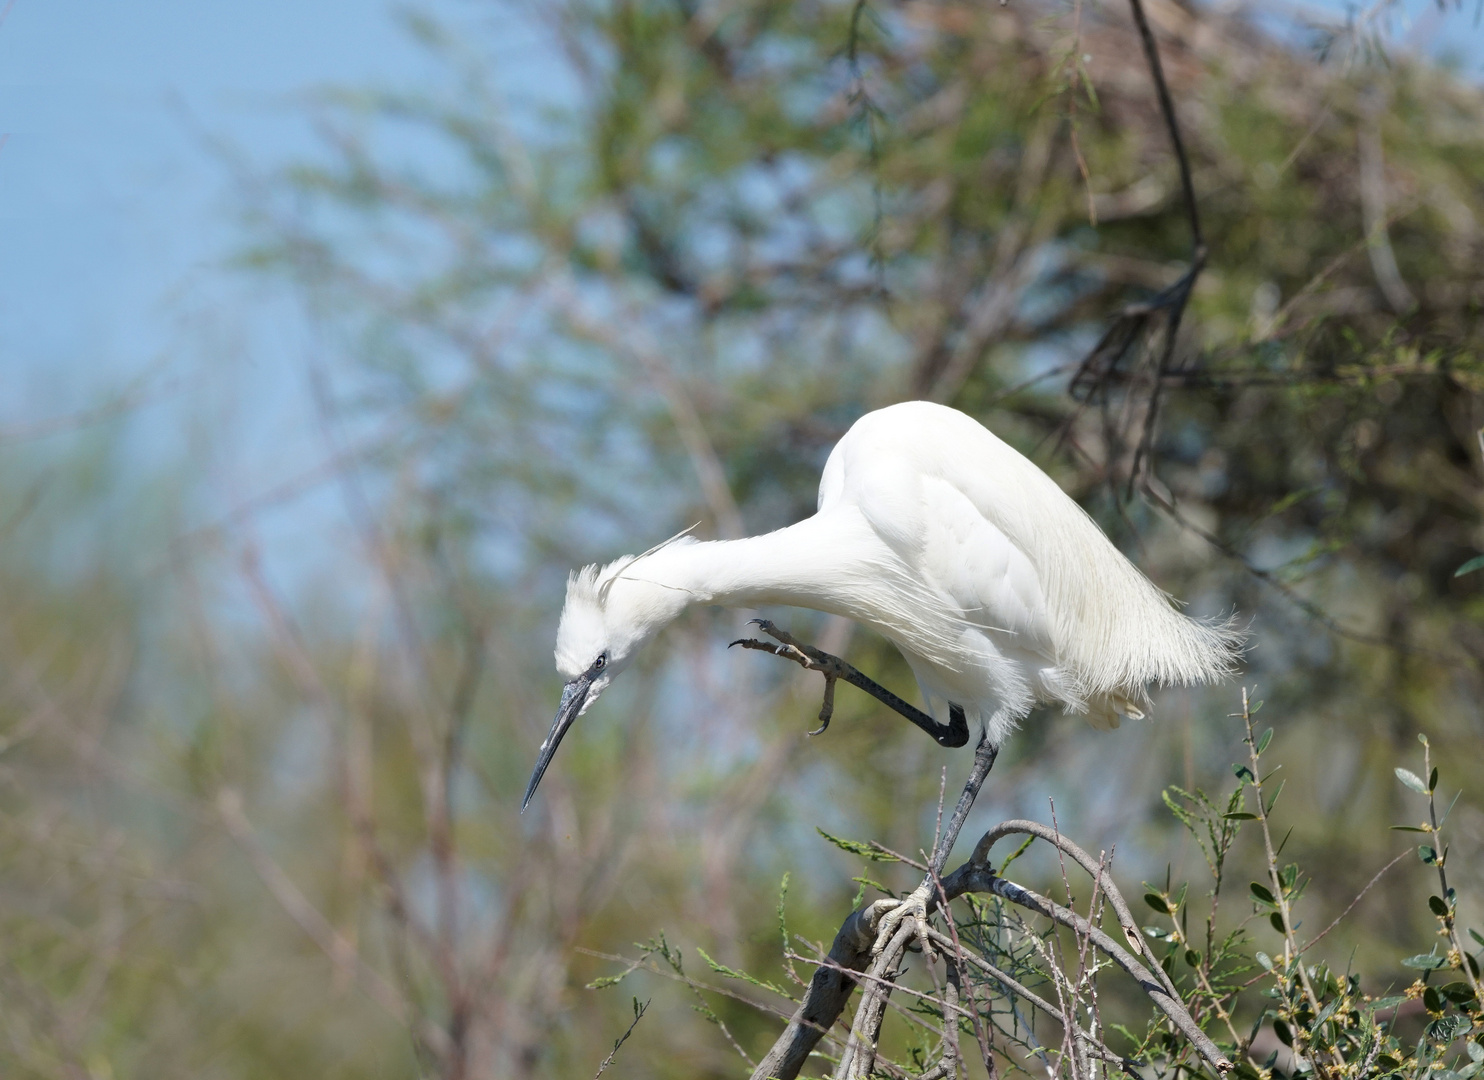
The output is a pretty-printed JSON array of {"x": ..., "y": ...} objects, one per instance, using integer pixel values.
[{"x": 1113, "y": 629}]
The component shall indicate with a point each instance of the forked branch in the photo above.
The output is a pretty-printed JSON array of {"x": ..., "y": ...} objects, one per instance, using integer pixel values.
[
  {"x": 979, "y": 876},
  {"x": 860, "y": 955},
  {"x": 858, "y": 944},
  {"x": 1134, "y": 325}
]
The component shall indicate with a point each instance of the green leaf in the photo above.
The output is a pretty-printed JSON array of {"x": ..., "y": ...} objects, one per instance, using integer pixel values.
[
  {"x": 1264, "y": 739},
  {"x": 1157, "y": 902},
  {"x": 1476, "y": 1052},
  {"x": 1476, "y": 563},
  {"x": 1265, "y": 960},
  {"x": 855, "y": 847},
  {"x": 1408, "y": 828},
  {"x": 1382, "y": 1004},
  {"x": 1262, "y": 893},
  {"x": 1239, "y": 816},
  {"x": 1412, "y": 780},
  {"x": 1475, "y": 935},
  {"x": 1243, "y": 773},
  {"x": 1425, "y": 962},
  {"x": 1284, "y": 842},
  {"x": 782, "y": 921},
  {"x": 1277, "y": 922},
  {"x": 1192, "y": 958},
  {"x": 1436, "y": 905},
  {"x": 1432, "y": 1000},
  {"x": 1284, "y": 1033},
  {"x": 733, "y": 973},
  {"x": 1427, "y": 854},
  {"x": 1460, "y": 993},
  {"x": 1017, "y": 853},
  {"x": 1432, "y": 781}
]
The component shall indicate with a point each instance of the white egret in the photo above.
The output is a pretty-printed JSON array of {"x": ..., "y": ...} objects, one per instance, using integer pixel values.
[{"x": 999, "y": 590}]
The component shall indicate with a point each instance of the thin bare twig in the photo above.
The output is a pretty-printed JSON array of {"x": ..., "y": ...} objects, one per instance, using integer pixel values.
[
  {"x": 319, "y": 929},
  {"x": 1132, "y": 326},
  {"x": 639, "y": 1011},
  {"x": 1358, "y": 897},
  {"x": 1179, "y": 293},
  {"x": 983, "y": 879}
]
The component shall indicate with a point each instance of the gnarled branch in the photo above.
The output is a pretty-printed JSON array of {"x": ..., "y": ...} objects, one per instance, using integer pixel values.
[{"x": 860, "y": 937}]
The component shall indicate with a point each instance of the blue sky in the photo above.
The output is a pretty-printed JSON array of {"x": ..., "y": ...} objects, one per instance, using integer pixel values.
[
  {"x": 116, "y": 220},
  {"x": 112, "y": 208}
]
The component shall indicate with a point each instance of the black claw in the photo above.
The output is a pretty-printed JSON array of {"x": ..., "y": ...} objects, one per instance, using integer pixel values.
[
  {"x": 819, "y": 730},
  {"x": 957, "y": 733}
]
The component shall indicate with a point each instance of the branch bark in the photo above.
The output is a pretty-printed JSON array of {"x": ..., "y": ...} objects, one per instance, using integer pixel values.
[
  {"x": 852, "y": 950},
  {"x": 831, "y": 985},
  {"x": 1131, "y": 327}
]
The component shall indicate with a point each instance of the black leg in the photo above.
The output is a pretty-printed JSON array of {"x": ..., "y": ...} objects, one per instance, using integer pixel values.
[
  {"x": 955, "y": 733},
  {"x": 984, "y": 759}
]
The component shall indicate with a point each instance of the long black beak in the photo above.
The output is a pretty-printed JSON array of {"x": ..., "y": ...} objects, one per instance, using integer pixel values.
[{"x": 573, "y": 695}]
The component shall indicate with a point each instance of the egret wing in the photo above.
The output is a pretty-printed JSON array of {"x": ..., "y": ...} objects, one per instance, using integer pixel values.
[
  {"x": 965, "y": 560},
  {"x": 991, "y": 582}
]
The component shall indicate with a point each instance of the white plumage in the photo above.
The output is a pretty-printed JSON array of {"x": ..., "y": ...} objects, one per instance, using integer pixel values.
[{"x": 996, "y": 586}]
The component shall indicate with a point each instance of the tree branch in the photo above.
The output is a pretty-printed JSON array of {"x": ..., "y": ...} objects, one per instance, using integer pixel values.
[
  {"x": 859, "y": 934},
  {"x": 1130, "y": 326},
  {"x": 831, "y": 985},
  {"x": 982, "y": 878}
]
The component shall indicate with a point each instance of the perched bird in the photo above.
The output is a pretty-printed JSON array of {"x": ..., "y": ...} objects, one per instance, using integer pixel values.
[{"x": 996, "y": 587}]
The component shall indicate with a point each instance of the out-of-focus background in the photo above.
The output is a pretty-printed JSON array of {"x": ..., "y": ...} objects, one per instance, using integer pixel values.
[{"x": 332, "y": 336}]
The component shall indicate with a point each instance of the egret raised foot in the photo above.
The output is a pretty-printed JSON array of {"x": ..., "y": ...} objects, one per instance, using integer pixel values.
[{"x": 953, "y": 734}]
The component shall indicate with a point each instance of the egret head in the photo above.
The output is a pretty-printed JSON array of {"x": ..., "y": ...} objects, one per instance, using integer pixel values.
[{"x": 610, "y": 612}]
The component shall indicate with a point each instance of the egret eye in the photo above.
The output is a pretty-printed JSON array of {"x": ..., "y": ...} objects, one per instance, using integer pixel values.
[{"x": 601, "y": 662}]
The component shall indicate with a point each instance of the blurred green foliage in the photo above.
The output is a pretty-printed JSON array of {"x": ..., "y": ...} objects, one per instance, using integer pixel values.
[{"x": 563, "y": 324}]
